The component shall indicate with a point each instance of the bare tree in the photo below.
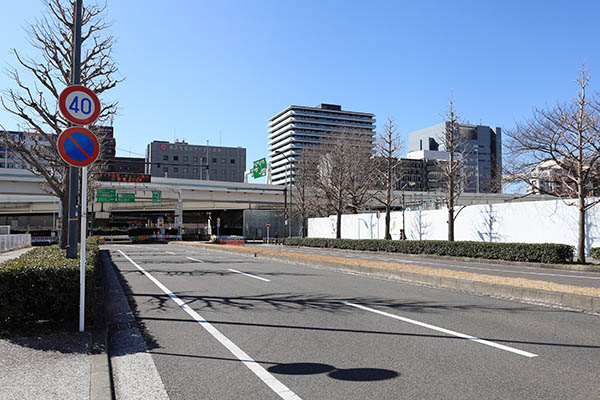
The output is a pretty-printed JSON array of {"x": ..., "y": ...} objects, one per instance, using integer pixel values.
[
  {"x": 305, "y": 201},
  {"x": 387, "y": 169},
  {"x": 340, "y": 159},
  {"x": 35, "y": 101},
  {"x": 566, "y": 136},
  {"x": 452, "y": 171},
  {"x": 362, "y": 175}
]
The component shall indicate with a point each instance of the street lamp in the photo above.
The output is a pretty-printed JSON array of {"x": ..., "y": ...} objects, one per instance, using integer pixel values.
[
  {"x": 477, "y": 160},
  {"x": 403, "y": 207},
  {"x": 290, "y": 190}
]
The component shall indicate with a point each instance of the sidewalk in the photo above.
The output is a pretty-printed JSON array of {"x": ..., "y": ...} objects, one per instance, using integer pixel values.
[
  {"x": 61, "y": 366},
  {"x": 76, "y": 365},
  {"x": 9, "y": 255}
]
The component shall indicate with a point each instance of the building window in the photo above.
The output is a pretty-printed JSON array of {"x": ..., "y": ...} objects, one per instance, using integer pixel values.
[
  {"x": 175, "y": 169},
  {"x": 185, "y": 170},
  {"x": 166, "y": 157},
  {"x": 214, "y": 160},
  {"x": 175, "y": 158},
  {"x": 222, "y": 161},
  {"x": 165, "y": 169},
  {"x": 195, "y": 159},
  {"x": 185, "y": 158},
  {"x": 223, "y": 172},
  {"x": 195, "y": 170},
  {"x": 232, "y": 161}
]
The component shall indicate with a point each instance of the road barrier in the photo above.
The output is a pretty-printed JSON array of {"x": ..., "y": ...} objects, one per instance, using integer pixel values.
[
  {"x": 231, "y": 240},
  {"x": 13, "y": 242}
]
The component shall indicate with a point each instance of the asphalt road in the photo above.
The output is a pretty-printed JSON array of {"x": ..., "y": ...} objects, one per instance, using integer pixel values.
[
  {"x": 567, "y": 277},
  {"x": 251, "y": 329}
]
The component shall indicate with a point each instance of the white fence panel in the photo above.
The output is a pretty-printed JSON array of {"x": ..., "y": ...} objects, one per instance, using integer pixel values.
[
  {"x": 550, "y": 221},
  {"x": 13, "y": 242}
]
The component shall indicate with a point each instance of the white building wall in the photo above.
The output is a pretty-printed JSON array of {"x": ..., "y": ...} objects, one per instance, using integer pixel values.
[{"x": 527, "y": 222}]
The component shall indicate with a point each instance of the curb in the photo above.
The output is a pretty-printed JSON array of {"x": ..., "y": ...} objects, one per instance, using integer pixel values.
[
  {"x": 560, "y": 299},
  {"x": 426, "y": 257},
  {"x": 100, "y": 377},
  {"x": 133, "y": 372}
]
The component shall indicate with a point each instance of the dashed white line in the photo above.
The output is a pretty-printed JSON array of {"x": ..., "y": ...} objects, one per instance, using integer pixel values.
[
  {"x": 279, "y": 388},
  {"x": 443, "y": 330},
  {"x": 250, "y": 275},
  {"x": 170, "y": 252},
  {"x": 194, "y": 259}
]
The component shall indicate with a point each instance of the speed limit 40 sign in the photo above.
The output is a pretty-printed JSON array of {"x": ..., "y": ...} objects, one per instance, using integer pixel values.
[{"x": 79, "y": 105}]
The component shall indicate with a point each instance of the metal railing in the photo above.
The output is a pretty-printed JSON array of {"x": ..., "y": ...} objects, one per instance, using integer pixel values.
[{"x": 13, "y": 242}]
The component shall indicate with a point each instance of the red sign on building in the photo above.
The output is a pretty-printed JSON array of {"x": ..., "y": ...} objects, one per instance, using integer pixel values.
[{"x": 124, "y": 177}]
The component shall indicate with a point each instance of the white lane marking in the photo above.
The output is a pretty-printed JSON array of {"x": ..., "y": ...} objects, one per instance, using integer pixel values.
[
  {"x": 443, "y": 330},
  {"x": 279, "y": 388},
  {"x": 194, "y": 259},
  {"x": 170, "y": 252},
  {"x": 251, "y": 276}
]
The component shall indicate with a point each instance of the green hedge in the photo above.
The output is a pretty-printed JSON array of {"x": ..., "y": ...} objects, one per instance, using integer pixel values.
[
  {"x": 532, "y": 252},
  {"x": 43, "y": 284},
  {"x": 595, "y": 252}
]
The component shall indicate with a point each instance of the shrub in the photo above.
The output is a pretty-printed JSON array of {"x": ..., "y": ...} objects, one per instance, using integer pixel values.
[
  {"x": 43, "y": 284},
  {"x": 595, "y": 252},
  {"x": 532, "y": 252}
]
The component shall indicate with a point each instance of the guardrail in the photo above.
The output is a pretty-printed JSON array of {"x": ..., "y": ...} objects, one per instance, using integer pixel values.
[{"x": 13, "y": 242}]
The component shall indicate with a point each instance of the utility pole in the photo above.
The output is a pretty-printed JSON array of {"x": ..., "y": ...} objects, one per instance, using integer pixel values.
[{"x": 74, "y": 171}]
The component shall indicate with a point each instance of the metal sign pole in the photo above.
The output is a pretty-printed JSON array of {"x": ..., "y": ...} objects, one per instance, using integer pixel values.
[
  {"x": 74, "y": 171},
  {"x": 82, "y": 252}
]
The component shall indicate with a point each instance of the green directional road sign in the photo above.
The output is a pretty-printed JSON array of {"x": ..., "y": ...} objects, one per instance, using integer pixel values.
[
  {"x": 106, "y": 195},
  {"x": 156, "y": 196},
  {"x": 126, "y": 197},
  {"x": 259, "y": 168}
]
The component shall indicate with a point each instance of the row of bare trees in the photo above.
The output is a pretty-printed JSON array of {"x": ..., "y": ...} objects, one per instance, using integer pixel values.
[{"x": 346, "y": 174}]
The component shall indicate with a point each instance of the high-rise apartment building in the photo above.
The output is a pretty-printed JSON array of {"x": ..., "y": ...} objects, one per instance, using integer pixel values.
[
  {"x": 480, "y": 145},
  {"x": 187, "y": 161},
  {"x": 298, "y": 128}
]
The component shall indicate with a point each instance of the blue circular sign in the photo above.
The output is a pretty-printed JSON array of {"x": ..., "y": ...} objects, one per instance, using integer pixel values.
[{"x": 78, "y": 146}]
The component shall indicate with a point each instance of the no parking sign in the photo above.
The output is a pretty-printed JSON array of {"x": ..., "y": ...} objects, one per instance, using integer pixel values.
[{"x": 78, "y": 146}]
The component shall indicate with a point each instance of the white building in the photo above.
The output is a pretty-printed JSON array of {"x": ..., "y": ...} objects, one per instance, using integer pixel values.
[{"x": 297, "y": 128}]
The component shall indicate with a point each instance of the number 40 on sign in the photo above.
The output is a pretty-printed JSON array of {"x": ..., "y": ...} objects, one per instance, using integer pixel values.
[{"x": 79, "y": 105}]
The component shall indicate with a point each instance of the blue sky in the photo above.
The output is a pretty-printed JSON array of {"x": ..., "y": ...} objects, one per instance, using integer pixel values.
[{"x": 199, "y": 70}]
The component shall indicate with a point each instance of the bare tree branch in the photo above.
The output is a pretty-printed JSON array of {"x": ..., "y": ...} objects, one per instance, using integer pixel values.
[{"x": 557, "y": 152}]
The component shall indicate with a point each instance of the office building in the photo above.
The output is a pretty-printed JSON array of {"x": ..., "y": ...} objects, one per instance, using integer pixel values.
[
  {"x": 479, "y": 144},
  {"x": 186, "y": 161},
  {"x": 298, "y": 128},
  {"x": 9, "y": 158}
]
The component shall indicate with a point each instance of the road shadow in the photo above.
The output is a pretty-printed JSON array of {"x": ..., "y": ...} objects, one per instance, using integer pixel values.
[
  {"x": 300, "y": 302},
  {"x": 343, "y": 374},
  {"x": 204, "y": 272},
  {"x": 374, "y": 332},
  {"x": 309, "y": 368}
]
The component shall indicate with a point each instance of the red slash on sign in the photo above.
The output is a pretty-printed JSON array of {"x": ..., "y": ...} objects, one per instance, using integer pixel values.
[{"x": 78, "y": 146}]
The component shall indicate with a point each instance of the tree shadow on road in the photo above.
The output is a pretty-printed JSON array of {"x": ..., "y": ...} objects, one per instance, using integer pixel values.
[{"x": 300, "y": 302}]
